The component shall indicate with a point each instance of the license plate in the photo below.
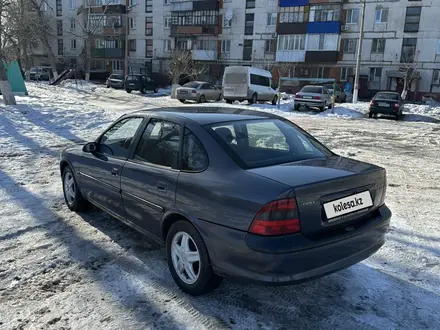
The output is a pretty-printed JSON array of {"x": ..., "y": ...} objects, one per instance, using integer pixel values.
[
  {"x": 307, "y": 97},
  {"x": 384, "y": 105},
  {"x": 348, "y": 204}
]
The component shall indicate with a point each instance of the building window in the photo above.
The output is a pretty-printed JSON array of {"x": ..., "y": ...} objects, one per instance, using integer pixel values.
[
  {"x": 204, "y": 44},
  {"x": 346, "y": 73},
  {"x": 436, "y": 77},
  {"x": 408, "y": 50},
  {"x": 325, "y": 13},
  {"x": 149, "y": 48},
  {"x": 249, "y": 25},
  {"x": 132, "y": 45},
  {"x": 323, "y": 42},
  {"x": 298, "y": 14},
  {"x": 117, "y": 65},
  {"x": 226, "y": 46},
  {"x": 72, "y": 24},
  {"x": 101, "y": 43},
  {"x": 166, "y": 2},
  {"x": 132, "y": 23},
  {"x": 381, "y": 15},
  {"x": 59, "y": 7},
  {"x": 148, "y": 6},
  {"x": 438, "y": 47},
  {"x": 247, "y": 50},
  {"x": 272, "y": 19},
  {"x": 269, "y": 46},
  {"x": 60, "y": 45},
  {"x": 352, "y": 16},
  {"x": 291, "y": 42},
  {"x": 226, "y": 22},
  {"x": 148, "y": 26},
  {"x": 133, "y": 3},
  {"x": 375, "y": 74},
  {"x": 323, "y": 72},
  {"x": 73, "y": 44},
  {"x": 59, "y": 28},
  {"x": 349, "y": 46},
  {"x": 206, "y": 17},
  {"x": 250, "y": 3},
  {"x": 167, "y": 22},
  {"x": 378, "y": 46},
  {"x": 167, "y": 46},
  {"x": 412, "y": 19}
]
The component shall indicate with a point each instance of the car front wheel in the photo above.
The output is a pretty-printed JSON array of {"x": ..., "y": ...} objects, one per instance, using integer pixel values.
[
  {"x": 74, "y": 200},
  {"x": 275, "y": 100},
  {"x": 128, "y": 90},
  {"x": 188, "y": 260}
]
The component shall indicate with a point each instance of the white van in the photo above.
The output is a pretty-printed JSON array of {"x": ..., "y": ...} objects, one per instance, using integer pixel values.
[{"x": 247, "y": 83}]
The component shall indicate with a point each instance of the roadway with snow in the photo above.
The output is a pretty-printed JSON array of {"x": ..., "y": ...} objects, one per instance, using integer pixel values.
[{"x": 61, "y": 270}]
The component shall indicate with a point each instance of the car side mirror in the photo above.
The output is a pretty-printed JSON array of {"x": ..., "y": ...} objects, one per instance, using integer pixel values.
[{"x": 90, "y": 147}]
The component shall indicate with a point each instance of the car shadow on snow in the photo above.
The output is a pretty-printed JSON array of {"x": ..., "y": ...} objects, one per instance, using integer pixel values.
[{"x": 347, "y": 299}]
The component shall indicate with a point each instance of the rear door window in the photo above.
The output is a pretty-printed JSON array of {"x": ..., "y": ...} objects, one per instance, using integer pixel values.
[{"x": 194, "y": 157}]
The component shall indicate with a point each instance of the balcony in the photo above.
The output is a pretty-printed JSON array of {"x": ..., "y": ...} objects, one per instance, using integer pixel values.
[
  {"x": 292, "y": 28},
  {"x": 108, "y": 52},
  {"x": 179, "y": 30},
  {"x": 324, "y": 27},
  {"x": 204, "y": 55},
  {"x": 111, "y": 9},
  {"x": 291, "y": 56},
  {"x": 196, "y": 5},
  {"x": 330, "y": 56}
]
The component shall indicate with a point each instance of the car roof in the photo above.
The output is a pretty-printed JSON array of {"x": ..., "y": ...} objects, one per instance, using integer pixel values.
[
  {"x": 312, "y": 86},
  {"x": 197, "y": 82},
  {"x": 387, "y": 92},
  {"x": 208, "y": 115}
]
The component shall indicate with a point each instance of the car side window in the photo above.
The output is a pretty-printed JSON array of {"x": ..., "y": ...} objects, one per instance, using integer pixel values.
[
  {"x": 159, "y": 144},
  {"x": 194, "y": 157},
  {"x": 148, "y": 79},
  {"x": 117, "y": 140},
  {"x": 205, "y": 86}
]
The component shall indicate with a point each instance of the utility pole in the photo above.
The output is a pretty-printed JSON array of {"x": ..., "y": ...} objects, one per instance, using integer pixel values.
[
  {"x": 359, "y": 54},
  {"x": 127, "y": 28}
]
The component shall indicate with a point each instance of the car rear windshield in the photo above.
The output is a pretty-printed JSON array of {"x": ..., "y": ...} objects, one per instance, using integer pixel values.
[
  {"x": 116, "y": 76},
  {"x": 316, "y": 90},
  {"x": 132, "y": 78},
  {"x": 387, "y": 96},
  {"x": 259, "y": 143},
  {"x": 192, "y": 85}
]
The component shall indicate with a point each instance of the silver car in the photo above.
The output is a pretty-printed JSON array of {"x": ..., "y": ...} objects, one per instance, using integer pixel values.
[
  {"x": 340, "y": 95},
  {"x": 313, "y": 96},
  {"x": 198, "y": 91}
]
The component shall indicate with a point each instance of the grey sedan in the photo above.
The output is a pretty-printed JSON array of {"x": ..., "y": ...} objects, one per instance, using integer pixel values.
[
  {"x": 115, "y": 81},
  {"x": 198, "y": 91},
  {"x": 232, "y": 193}
]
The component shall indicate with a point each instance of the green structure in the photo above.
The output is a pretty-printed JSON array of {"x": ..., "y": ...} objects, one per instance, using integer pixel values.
[{"x": 15, "y": 78}]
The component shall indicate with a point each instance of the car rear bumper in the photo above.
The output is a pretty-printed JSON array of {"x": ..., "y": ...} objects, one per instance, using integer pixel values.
[
  {"x": 309, "y": 103},
  {"x": 190, "y": 97},
  {"x": 233, "y": 252},
  {"x": 389, "y": 110}
]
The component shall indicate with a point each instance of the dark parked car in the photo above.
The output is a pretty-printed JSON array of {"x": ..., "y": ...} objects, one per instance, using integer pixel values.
[
  {"x": 388, "y": 103},
  {"x": 232, "y": 193},
  {"x": 140, "y": 83},
  {"x": 115, "y": 81}
]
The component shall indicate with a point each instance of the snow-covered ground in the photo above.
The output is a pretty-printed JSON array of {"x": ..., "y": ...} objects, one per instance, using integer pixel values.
[{"x": 61, "y": 270}]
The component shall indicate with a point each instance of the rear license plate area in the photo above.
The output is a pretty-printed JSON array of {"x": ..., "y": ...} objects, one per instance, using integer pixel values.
[
  {"x": 347, "y": 205},
  {"x": 383, "y": 105}
]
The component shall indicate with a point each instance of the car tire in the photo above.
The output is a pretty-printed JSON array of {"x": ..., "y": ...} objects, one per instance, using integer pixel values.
[
  {"x": 220, "y": 97},
  {"x": 253, "y": 99},
  {"x": 183, "y": 101},
  {"x": 108, "y": 86},
  {"x": 156, "y": 90},
  {"x": 296, "y": 106},
  {"x": 142, "y": 90},
  {"x": 72, "y": 195},
  {"x": 128, "y": 90},
  {"x": 275, "y": 100},
  {"x": 202, "y": 99},
  {"x": 370, "y": 115},
  {"x": 228, "y": 101},
  {"x": 321, "y": 109},
  {"x": 202, "y": 278}
]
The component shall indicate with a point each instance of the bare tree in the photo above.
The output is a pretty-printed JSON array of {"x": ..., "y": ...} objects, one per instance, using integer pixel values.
[
  {"x": 5, "y": 86},
  {"x": 408, "y": 67},
  {"x": 181, "y": 62}
]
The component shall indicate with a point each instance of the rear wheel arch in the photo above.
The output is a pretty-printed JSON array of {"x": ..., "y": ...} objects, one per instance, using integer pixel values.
[
  {"x": 169, "y": 220},
  {"x": 63, "y": 165}
]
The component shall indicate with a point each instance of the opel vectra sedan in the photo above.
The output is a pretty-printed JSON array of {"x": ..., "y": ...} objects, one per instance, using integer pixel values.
[{"x": 232, "y": 193}]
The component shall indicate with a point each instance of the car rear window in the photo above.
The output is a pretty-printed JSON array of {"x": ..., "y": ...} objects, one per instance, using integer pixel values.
[
  {"x": 259, "y": 143},
  {"x": 116, "y": 76},
  {"x": 132, "y": 78},
  {"x": 387, "y": 96},
  {"x": 316, "y": 90},
  {"x": 192, "y": 85}
]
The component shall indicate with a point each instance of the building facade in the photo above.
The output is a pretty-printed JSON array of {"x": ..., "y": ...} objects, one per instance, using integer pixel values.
[{"x": 301, "y": 38}]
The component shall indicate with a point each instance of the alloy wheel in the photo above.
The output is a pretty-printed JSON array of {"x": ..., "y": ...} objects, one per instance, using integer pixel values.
[
  {"x": 69, "y": 187},
  {"x": 185, "y": 257}
]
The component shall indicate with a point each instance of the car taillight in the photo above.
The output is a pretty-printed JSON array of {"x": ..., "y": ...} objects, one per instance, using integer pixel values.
[
  {"x": 396, "y": 105},
  {"x": 371, "y": 104},
  {"x": 297, "y": 96},
  {"x": 278, "y": 217},
  {"x": 316, "y": 97},
  {"x": 193, "y": 92}
]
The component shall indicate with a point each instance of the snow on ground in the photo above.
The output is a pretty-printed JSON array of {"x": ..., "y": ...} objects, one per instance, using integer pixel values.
[{"x": 61, "y": 270}]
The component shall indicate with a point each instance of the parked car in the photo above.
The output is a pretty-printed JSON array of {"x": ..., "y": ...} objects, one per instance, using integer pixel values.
[
  {"x": 388, "y": 103},
  {"x": 198, "y": 91},
  {"x": 232, "y": 193},
  {"x": 41, "y": 73},
  {"x": 313, "y": 96},
  {"x": 340, "y": 95},
  {"x": 247, "y": 83},
  {"x": 115, "y": 80},
  {"x": 139, "y": 83}
]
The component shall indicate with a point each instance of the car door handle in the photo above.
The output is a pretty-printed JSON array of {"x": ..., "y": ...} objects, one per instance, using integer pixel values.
[
  {"x": 162, "y": 186},
  {"x": 115, "y": 171}
]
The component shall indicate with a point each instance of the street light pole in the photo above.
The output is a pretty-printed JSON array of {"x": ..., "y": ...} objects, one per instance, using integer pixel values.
[{"x": 359, "y": 55}]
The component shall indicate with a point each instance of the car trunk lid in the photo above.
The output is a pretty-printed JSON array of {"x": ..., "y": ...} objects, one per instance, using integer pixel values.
[{"x": 332, "y": 192}]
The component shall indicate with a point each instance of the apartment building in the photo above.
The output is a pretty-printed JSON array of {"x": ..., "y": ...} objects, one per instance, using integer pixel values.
[{"x": 311, "y": 38}]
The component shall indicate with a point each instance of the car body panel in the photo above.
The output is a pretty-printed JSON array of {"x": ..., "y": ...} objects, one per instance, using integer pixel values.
[
  {"x": 207, "y": 90},
  {"x": 141, "y": 81},
  {"x": 308, "y": 99},
  {"x": 222, "y": 200},
  {"x": 384, "y": 105}
]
